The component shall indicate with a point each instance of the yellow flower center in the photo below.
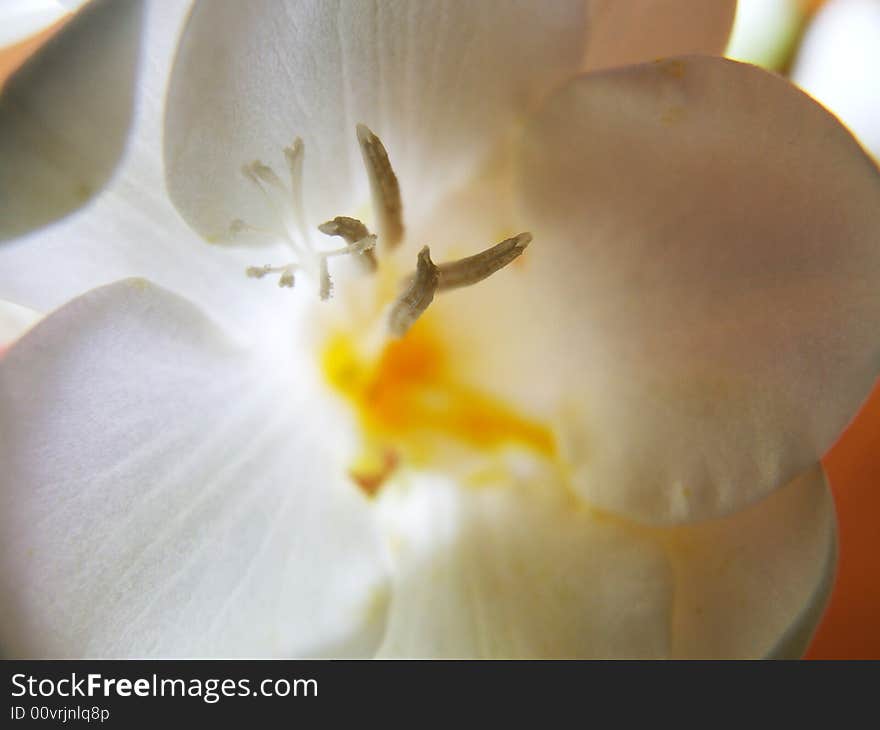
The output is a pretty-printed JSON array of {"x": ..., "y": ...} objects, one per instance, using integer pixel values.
[{"x": 411, "y": 408}]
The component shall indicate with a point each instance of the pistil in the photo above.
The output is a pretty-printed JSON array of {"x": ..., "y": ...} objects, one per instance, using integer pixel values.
[
  {"x": 473, "y": 269},
  {"x": 415, "y": 300},
  {"x": 384, "y": 188},
  {"x": 431, "y": 279}
]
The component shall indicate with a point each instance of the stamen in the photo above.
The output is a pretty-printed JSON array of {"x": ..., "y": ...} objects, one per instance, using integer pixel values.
[
  {"x": 383, "y": 186},
  {"x": 326, "y": 286},
  {"x": 356, "y": 235},
  {"x": 289, "y": 225},
  {"x": 262, "y": 172},
  {"x": 363, "y": 247},
  {"x": 239, "y": 229},
  {"x": 417, "y": 298},
  {"x": 273, "y": 189},
  {"x": 286, "y": 279},
  {"x": 258, "y": 272},
  {"x": 286, "y": 271},
  {"x": 350, "y": 229},
  {"x": 470, "y": 270},
  {"x": 294, "y": 156}
]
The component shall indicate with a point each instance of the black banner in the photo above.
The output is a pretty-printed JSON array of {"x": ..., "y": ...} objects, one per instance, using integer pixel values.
[{"x": 134, "y": 693}]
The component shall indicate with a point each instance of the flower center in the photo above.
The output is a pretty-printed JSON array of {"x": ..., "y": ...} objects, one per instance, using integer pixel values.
[{"x": 411, "y": 408}]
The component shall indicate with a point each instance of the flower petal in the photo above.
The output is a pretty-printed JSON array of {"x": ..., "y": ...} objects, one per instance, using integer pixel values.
[
  {"x": 114, "y": 239},
  {"x": 439, "y": 82},
  {"x": 755, "y": 584},
  {"x": 165, "y": 494},
  {"x": 527, "y": 572},
  {"x": 24, "y": 18},
  {"x": 56, "y": 151},
  {"x": 520, "y": 572},
  {"x": 14, "y": 321},
  {"x": 622, "y": 33},
  {"x": 703, "y": 285},
  {"x": 837, "y": 64}
]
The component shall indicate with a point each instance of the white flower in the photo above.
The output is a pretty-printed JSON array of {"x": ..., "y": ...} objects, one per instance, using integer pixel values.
[
  {"x": 23, "y": 18},
  {"x": 609, "y": 448}
]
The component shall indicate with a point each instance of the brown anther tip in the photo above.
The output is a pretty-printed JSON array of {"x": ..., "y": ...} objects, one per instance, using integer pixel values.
[
  {"x": 523, "y": 240},
  {"x": 286, "y": 280}
]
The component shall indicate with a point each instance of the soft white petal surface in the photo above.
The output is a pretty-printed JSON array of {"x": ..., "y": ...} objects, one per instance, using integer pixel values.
[
  {"x": 529, "y": 571},
  {"x": 634, "y": 31},
  {"x": 65, "y": 116},
  {"x": 20, "y": 19},
  {"x": 14, "y": 321},
  {"x": 164, "y": 493},
  {"x": 755, "y": 584},
  {"x": 838, "y": 64},
  {"x": 702, "y": 291},
  {"x": 520, "y": 572},
  {"x": 439, "y": 82}
]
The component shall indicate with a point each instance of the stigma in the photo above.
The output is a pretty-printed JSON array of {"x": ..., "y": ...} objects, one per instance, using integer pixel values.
[{"x": 288, "y": 224}]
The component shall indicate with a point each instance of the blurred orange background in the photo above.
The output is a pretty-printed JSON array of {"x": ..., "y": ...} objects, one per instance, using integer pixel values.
[{"x": 851, "y": 626}]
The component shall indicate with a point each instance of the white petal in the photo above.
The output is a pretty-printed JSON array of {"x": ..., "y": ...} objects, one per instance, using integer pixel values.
[
  {"x": 837, "y": 64},
  {"x": 529, "y": 572},
  {"x": 20, "y": 19},
  {"x": 14, "y": 321},
  {"x": 756, "y": 583},
  {"x": 520, "y": 572},
  {"x": 438, "y": 82},
  {"x": 56, "y": 148},
  {"x": 703, "y": 283},
  {"x": 165, "y": 494},
  {"x": 114, "y": 238},
  {"x": 621, "y": 33}
]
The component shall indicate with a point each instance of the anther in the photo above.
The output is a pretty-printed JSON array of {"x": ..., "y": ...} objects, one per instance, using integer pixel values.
[
  {"x": 258, "y": 272},
  {"x": 349, "y": 229},
  {"x": 286, "y": 271},
  {"x": 286, "y": 279},
  {"x": 383, "y": 186},
  {"x": 473, "y": 269},
  {"x": 417, "y": 298},
  {"x": 356, "y": 235}
]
